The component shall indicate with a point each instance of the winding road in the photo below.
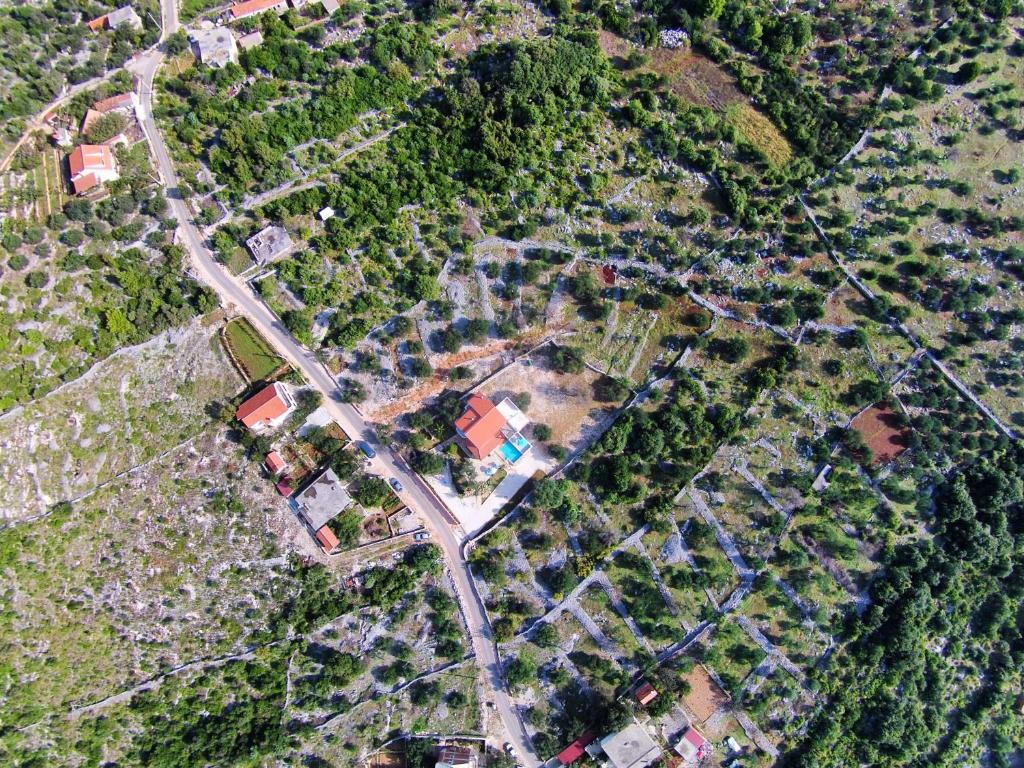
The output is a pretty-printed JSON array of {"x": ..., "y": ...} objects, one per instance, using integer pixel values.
[{"x": 237, "y": 297}]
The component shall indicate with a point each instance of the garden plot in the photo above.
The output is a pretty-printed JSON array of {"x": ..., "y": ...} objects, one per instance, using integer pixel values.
[
  {"x": 157, "y": 568},
  {"x": 253, "y": 355},
  {"x": 925, "y": 216},
  {"x": 739, "y": 507},
  {"x": 883, "y": 432},
  {"x": 731, "y": 654},
  {"x": 132, "y": 407},
  {"x": 444, "y": 703},
  {"x": 671, "y": 558},
  {"x": 782, "y": 621},
  {"x": 544, "y": 539},
  {"x": 778, "y": 705},
  {"x": 615, "y": 637},
  {"x": 714, "y": 571},
  {"x": 631, "y": 575}
]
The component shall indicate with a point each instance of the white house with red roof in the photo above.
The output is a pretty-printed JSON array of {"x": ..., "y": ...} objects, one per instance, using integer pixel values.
[
  {"x": 267, "y": 409},
  {"x": 693, "y": 747},
  {"x": 124, "y": 103},
  {"x": 91, "y": 165}
]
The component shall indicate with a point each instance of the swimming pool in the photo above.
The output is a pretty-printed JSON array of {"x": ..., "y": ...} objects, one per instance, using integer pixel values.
[{"x": 514, "y": 448}]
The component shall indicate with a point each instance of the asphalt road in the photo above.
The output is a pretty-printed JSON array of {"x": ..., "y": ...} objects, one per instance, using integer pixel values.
[{"x": 236, "y": 296}]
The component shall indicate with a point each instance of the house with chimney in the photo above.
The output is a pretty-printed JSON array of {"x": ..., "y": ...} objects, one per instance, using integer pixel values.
[{"x": 267, "y": 409}]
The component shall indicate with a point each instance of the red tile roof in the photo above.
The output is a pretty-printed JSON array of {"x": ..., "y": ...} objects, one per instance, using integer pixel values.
[
  {"x": 98, "y": 23},
  {"x": 86, "y": 158},
  {"x": 113, "y": 102},
  {"x": 284, "y": 487},
  {"x": 575, "y": 751},
  {"x": 248, "y": 8},
  {"x": 84, "y": 183},
  {"x": 645, "y": 694},
  {"x": 275, "y": 463},
  {"x": 265, "y": 406},
  {"x": 327, "y": 539},
  {"x": 481, "y": 426}
]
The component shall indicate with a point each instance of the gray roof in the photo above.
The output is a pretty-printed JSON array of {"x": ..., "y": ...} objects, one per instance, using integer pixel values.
[
  {"x": 268, "y": 243},
  {"x": 123, "y": 15},
  {"x": 323, "y": 499},
  {"x": 216, "y": 47},
  {"x": 632, "y": 747}
]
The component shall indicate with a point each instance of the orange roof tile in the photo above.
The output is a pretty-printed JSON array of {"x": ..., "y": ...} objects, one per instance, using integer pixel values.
[
  {"x": 248, "y": 8},
  {"x": 87, "y": 158},
  {"x": 327, "y": 539},
  {"x": 265, "y": 405},
  {"x": 275, "y": 463},
  {"x": 84, "y": 182},
  {"x": 481, "y": 426},
  {"x": 113, "y": 102},
  {"x": 98, "y": 23}
]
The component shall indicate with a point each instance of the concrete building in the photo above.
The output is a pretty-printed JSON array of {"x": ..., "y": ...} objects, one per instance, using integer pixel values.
[
  {"x": 245, "y": 42},
  {"x": 632, "y": 747},
  {"x": 319, "y": 503},
  {"x": 268, "y": 244},
  {"x": 214, "y": 47},
  {"x": 453, "y": 756},
  {"x": 123, "y": 15}
]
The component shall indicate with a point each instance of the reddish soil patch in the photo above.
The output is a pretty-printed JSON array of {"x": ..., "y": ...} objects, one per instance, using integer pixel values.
[
  {"x": 705, "y": 697},
  {"x": 879, "y": 426}
]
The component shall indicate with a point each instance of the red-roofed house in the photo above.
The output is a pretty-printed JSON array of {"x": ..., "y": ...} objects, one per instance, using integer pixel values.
[
  {"x": 91, "y": 165},
  {"x": 326, "y": 538},
  {"x": 274, "y": 463},
  {"x": 123, "y": 102},
  {"x": 480, "y": 426},
  {"x": 576, "y": 750},
  {"x": 267, "y": 409},
  {"x": 693, "y": 747},
  {"x": 645, "y": 694},
  {"x": 252, "y": 7},
  {"x": 284, "y": 487}
]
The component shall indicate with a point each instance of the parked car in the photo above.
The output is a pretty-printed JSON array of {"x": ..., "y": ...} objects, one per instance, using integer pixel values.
[
  {"x": 510, "y": 749},
  {"x": 396, "y": 485},
  {"x": 421, "y": 536},
  {"x": 366, "y": 449}
]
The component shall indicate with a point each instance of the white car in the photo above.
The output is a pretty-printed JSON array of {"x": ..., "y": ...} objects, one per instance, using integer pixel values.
[{"x": 510, "y": 749}]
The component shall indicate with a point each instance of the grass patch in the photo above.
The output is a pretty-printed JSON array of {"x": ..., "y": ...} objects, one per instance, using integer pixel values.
[
  {"x": 250, "y": 350},
  {"x": 761, "y": 132}
]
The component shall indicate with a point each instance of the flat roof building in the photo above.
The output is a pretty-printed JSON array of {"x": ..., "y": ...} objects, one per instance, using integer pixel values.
[
  {"x": 245, "y": 42},
  {"x": 268, "y": 244},
  {"x": 214, "y": 47},
  {"x": 322, "y": 500},
  {"x": 632, "y": 747},
  {"x": 454, "y": 756}
]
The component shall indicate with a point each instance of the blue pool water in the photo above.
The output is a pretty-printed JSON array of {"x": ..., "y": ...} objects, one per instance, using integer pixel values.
[{"x": 510, "y": 452}]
